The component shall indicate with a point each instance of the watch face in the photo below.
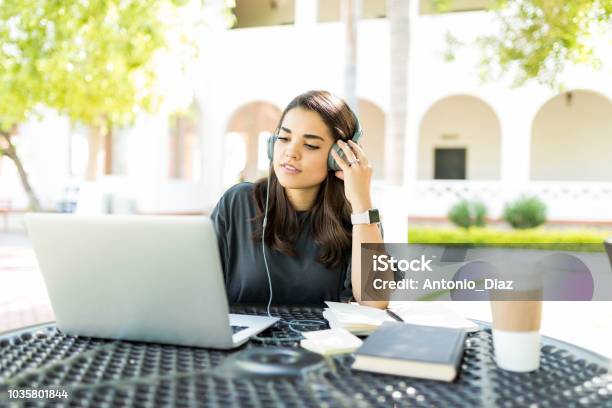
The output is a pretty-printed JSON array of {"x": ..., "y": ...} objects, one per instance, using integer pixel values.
[{"x": 374, "y": 216}]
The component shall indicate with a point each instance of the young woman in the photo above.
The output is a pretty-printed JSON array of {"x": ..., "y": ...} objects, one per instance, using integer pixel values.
[{"x": 311, "y": 246}]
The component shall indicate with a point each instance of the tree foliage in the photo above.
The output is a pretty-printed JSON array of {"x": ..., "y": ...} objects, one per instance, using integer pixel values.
[
  {"x": 538, "y": 39},
  {"x": 92, "y": 60}
]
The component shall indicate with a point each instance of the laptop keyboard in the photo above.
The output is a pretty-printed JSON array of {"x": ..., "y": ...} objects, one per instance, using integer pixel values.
[{"x": 236, "y": 329}]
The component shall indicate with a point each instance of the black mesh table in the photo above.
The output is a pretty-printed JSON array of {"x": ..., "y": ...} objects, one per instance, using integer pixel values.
[{"x": 107, "y": 373}]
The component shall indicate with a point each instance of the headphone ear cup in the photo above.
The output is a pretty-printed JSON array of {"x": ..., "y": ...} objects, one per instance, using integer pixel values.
[
  {"x": 271, "y": 141},
  {"x": 331, "y": 162}
]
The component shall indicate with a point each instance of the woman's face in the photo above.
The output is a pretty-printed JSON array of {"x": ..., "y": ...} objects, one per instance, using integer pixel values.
[{"x": 300, "y": 153}]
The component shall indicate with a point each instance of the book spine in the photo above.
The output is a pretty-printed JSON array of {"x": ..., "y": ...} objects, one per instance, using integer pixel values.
[{"x": 459, "y": 348}]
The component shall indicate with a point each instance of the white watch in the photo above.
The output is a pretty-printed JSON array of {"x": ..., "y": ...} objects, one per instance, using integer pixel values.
[{"x": 369, "y": 217}]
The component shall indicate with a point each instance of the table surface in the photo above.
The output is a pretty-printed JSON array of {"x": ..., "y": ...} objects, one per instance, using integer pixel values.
[{"x": 110, "y": 373}]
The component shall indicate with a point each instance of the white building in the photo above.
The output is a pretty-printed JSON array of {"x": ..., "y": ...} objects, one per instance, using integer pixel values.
[{"x": 463, "y": 138}]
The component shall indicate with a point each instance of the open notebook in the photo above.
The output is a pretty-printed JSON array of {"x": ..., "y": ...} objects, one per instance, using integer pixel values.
[{"x": 363, "y": 320}]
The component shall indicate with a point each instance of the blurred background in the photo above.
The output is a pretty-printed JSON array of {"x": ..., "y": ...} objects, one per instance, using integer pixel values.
[{"x": 484, "y": 120}]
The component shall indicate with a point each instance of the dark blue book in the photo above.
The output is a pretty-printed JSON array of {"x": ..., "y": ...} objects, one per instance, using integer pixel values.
[{"x": 412, "y": 350}]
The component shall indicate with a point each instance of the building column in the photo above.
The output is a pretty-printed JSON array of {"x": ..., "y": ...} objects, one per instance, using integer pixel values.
[
  {"x": 515, "y": 149},
  {"x": 515, "y": 154},
  {"x": 399, "y": 12}
]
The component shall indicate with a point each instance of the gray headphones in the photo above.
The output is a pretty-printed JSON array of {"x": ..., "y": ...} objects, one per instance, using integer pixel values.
[{"x": 331, "y": 162}]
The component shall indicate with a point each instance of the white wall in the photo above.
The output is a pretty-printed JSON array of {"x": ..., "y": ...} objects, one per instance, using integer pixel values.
[
  {"x": 572, "y": 139},
  {"x": 461, "y": 121}
]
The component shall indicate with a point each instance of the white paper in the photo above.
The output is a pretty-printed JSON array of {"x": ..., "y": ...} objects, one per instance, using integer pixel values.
[
  {"x": 357, "y": 314},
  {"x": 331, "y": 341},
  {"x": 432, "y": 314}
]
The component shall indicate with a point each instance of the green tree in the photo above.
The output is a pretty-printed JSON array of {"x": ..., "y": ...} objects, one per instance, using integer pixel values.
[
  {"x": 22, "y": 40},
  {"x": 539, "y": 38},
  {"x": 93, "y": 60}
]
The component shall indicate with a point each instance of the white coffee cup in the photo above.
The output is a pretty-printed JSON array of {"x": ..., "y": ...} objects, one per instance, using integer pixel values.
[
  {"x": 517, "y": 315},
  {"x": 516, "y": 334}
]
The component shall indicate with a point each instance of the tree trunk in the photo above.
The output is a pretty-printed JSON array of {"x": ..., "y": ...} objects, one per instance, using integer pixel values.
[
  {"x": 96, "y": 136},
  {"x": 108, "y": 152},
  {"x": 11, "y": 153},
  {"x": 399, "y": 22},
  {"x": 351, "y": 11}
]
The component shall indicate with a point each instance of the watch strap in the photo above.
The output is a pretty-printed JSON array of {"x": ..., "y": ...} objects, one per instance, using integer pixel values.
[{"x": 368, "y": 217}]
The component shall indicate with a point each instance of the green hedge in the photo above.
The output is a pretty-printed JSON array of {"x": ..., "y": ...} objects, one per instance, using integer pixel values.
[
  {"x": 468, "y": 213},
  {"x": 525, "y": 212},
  {"x": 572, "y": 240}
]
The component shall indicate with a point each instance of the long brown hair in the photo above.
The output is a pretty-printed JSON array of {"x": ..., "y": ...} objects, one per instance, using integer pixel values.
[{"x": 330, "y": 214}]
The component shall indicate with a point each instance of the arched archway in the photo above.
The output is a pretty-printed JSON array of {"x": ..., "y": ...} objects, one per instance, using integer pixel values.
[
  {"x": 372, "y": 120},
  {"x": 245, "y": 158},
  {"x": 572, "y": 138},
  {"x": 459, "y": 138}
]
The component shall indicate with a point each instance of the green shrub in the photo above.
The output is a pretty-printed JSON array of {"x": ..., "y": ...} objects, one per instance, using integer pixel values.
[
  {"x": 466, "y": 214},
  {"x": 567, "y": 240},
  {"x": 525, "y": 212}
]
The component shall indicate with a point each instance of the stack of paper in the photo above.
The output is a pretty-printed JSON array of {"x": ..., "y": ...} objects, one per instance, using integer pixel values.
[
  {"x": 330, "y": 342},
  {"x": 357, "y": 319},
  {"x": 364, "y": 320}
]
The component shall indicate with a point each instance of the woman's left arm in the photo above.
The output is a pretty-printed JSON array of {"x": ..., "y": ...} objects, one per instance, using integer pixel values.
[{"x": 357, "y": 176}]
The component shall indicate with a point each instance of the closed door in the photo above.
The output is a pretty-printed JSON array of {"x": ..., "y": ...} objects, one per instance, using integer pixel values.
[{"x": 449, "y": 164}]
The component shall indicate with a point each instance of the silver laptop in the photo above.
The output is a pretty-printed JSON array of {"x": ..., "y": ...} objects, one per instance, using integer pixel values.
[{"x": 143, "y": 278}]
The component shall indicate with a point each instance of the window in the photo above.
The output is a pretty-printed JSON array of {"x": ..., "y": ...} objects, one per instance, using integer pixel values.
[{"x": 449, "y": 164}]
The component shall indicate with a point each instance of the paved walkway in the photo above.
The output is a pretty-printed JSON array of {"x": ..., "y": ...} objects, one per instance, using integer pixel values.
[
  {"x": 23, "y": 296},
  {"x": 24, "y": 301}
]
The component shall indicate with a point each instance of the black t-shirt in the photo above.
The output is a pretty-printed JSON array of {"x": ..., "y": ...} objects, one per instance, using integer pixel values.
[{"x": 295, "y": 280}]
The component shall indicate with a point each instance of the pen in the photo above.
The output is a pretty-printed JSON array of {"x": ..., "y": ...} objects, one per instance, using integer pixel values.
[{"x": 394, "y": 316}]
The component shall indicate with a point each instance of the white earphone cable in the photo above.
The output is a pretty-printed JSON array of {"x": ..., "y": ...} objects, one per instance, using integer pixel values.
[
  {"x": 305, "y": 323},
  {"x": 263, "y": 243}
]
